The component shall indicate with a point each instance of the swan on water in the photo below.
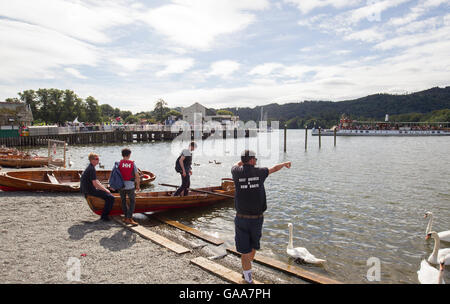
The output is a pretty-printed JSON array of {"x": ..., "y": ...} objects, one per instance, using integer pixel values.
[
  {"x": 437, "y": 253},
  {"x": 427, "y": 274},
  {"x": 301, "y": 253},
  {"x": 443, "y": 235}
]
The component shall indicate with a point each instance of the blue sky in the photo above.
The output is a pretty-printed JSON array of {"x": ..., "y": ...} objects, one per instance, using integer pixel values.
[{"x": 223, "y": 53}]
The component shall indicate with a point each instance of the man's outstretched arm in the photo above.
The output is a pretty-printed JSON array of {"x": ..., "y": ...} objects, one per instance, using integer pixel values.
[{"x": 279, "y": 167}]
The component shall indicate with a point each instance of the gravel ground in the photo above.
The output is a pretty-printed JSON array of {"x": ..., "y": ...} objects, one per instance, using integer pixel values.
[{"x": 41, "y": 232}]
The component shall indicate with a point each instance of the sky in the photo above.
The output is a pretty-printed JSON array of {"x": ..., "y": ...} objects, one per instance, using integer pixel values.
[{"x": 223, "y": 53}]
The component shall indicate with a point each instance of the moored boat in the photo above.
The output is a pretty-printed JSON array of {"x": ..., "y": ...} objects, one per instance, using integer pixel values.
[
  {"x": 163, "y": 200},
  {"x": 55, "y": 180},
  {"x": 20, "y": 161},
  {"x": 349, "y": 127}
]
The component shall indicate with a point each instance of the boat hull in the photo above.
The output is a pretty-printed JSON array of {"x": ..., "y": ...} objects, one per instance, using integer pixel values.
[
  {"x": 64, "y": 180},
  {"x": 163, "y": 200},
  {"x": 18, "y": 162}
]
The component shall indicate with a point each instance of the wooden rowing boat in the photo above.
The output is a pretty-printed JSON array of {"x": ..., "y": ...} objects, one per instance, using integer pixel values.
[
  {"x": 55, "y": 180},
  {"x": 163, "y": 200},
  {"x": 21, "y": 161}
]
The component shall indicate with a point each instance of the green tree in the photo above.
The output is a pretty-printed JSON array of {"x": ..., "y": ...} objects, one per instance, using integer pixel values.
[
  {"x": 106, "y": 110},
  {"x": 173, "y": 113},
  {"x": 29, "y": 97},
  {"x": 224, "y": 112},
  {"x": 43, "y": 99},
  {"x": 55, "y": 106},
  {"x": 80, "y": 110},
  {"x": 160, "y": 110},
  {"x": 131, "y": 119},
  {"x": 125, "y": 114},
  {"x": 92, "y": 110},
  {"x": 68, "y": 106}
]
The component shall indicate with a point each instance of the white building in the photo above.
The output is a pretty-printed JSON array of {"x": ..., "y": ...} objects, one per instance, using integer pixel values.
[{"x": 199, "y": 114}]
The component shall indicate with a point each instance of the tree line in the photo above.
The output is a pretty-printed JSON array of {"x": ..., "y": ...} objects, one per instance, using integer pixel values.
[
  {"x": 52, "y": 106},
  {"x": 55, "y": 106},
  {"x": 429, "y": 105}
]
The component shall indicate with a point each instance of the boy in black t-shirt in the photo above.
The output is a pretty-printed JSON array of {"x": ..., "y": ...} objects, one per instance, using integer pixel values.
[
  {"x": 183, "y": 166},
  {"x": 250, "y": 204}
]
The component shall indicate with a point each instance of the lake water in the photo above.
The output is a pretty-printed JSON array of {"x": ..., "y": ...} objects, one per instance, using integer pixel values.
[{"x": 364, "y": 198}]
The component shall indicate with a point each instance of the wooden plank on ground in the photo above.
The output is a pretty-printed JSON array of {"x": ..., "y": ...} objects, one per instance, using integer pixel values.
[
  {"x": 150, "y": 235},
  {"x": 201, "y": 235},
  {"x": 290, "y": 269},
  {"x": 221, "y": 271}
]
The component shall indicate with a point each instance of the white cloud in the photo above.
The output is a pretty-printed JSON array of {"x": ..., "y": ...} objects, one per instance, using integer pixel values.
[
  {"x": 306, "y": 6},
  {"x": 85, "y": 20},
  {"x": 198, "y": 23},
  {"x": 29, "y": 51},
  {"x": 224, "y": 68},
  {"x": 373, "y": 9},
  {"x": 416, "y": 11},
  {"x": 176, "y": 66},
  {"x": 75, "y": 72},
  {"x": 265, "y": 69},
  {"x": 368, "y": 35}
]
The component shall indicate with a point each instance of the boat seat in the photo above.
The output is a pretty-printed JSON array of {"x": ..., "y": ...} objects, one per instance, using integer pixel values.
[{"x": 53, "y": 179}]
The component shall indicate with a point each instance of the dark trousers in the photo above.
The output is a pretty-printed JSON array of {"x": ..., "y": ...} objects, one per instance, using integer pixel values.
[
  {"x": 185, "y": 184},
  {"x": 109, "y": 201},
  {"x": 128, "y": 211}
]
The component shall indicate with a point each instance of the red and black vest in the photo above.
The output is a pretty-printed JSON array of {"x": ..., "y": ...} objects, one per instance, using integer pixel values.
[{"x": 126, "y": 168}]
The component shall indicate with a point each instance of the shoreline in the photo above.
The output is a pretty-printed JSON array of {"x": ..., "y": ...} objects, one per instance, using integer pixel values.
[{"x": 41, "y": 231}]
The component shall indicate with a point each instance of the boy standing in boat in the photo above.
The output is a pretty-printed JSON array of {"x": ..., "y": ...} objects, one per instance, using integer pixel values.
[
  {"x": 250, "y": 204},
  {"x": 90, "y": 185},
  {"x": 183, "y": 166},
  {"x": 130, "y": 177}
]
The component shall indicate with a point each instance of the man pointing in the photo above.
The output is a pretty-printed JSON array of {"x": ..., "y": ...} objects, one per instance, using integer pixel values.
[{"x": 250, "y": 204}]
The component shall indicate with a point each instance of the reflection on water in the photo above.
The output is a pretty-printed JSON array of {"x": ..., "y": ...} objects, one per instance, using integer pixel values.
[{"x": 364, "y": 198}]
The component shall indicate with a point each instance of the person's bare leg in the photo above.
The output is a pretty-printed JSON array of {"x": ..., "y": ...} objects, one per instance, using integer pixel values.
[{"x": 246, "y": 260}]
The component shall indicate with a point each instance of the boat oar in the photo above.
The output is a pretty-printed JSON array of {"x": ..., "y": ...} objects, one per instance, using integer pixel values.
[{"x": 201, "y": 191}]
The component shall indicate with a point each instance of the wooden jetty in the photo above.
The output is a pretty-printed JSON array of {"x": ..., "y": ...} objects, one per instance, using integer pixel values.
[{"x": 114, "y": 136}]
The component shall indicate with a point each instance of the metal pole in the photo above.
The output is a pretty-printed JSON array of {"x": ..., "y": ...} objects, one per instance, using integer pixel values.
[
  {"x": 335, "y": 137},
  {"x": 320, "y": 138},
  {"x": 306, "y": 138},
  {"x": 285, "y": 126}
]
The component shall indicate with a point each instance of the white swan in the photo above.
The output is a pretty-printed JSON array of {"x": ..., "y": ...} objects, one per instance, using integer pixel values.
[
  {"x": 427, "y": 274},
  {"x": 301, "y": 253},
  {"x": 437, "y": 253},
  {"x": 443, "y": 235}
]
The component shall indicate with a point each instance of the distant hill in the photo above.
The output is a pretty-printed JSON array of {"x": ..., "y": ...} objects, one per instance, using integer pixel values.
[{"x": 419, "y": 105}]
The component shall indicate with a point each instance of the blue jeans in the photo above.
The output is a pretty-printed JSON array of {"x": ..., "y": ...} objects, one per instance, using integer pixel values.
[{"x": 128, "y": 212}]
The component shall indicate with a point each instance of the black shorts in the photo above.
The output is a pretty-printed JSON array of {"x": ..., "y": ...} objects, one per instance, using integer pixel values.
[{"x": 247, "y": 234}]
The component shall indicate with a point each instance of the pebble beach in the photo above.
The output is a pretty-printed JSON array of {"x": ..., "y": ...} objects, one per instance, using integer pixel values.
[{"x": 42, "y": 232}]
